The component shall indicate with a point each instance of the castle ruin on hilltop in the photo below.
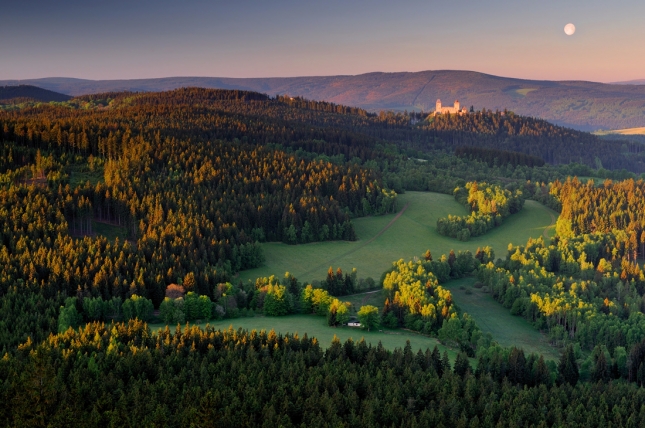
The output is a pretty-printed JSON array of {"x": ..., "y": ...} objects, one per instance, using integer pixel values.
[{"x": 456, "y": 109}]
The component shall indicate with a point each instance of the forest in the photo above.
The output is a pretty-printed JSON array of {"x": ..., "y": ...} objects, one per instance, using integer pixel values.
[
  {"x": 196, "y": 180},
  {"x": 102, "y": 376},
  {"x": 192, "y": 208},
  {"x": 502, "y": 157}
]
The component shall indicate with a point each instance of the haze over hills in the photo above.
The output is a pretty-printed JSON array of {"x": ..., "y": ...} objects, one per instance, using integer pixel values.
[{"x": 578, "y": 104}]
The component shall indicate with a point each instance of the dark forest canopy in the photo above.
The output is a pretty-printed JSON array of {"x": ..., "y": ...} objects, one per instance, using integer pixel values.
[{"x": 123, "y": 375}]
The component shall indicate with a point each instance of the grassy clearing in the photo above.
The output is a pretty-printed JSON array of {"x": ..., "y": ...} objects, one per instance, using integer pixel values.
[
  {"x": 110, "y": 231},
  {"x": 315, "y": 326},
  {"x": 412, "y": 234},
  {"x": 81, "y": 174},
  {"x": 525, "y": 91},
  {"x": 519, "y": 93},
  {"x": 507, "y": 330}
]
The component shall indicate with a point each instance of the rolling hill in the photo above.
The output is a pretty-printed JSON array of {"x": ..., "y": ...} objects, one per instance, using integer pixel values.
[
  {"x": 577, "y": 104},
  {"x": 31, "y": 93}
]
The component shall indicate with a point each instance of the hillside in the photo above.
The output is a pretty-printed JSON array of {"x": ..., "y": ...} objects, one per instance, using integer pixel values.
[
  {"x": 581, "y": 105},
  {"x": 336, "y": 130},
  {"x": 31, "y": 93}
]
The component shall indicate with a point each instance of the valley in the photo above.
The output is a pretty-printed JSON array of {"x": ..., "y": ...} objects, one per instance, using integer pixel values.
[{"x": 380, "y": 243}]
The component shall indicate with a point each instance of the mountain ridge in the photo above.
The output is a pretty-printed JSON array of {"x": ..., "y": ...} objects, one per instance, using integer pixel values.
[{"x": 581, "y": 105}]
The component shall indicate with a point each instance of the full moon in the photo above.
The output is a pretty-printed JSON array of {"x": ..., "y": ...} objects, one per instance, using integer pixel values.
[{"x": 569, "y": 29}]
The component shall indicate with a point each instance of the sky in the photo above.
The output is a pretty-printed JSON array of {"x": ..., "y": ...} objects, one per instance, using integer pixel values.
[{"x": 117, "y": 39}]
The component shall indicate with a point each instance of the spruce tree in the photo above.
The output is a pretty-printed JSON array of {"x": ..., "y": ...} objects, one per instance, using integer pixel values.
[
  {"x": 445, "y": 362},
  {"x": 568, "y": 368},
  {"x": 600, "y": 371},
  {"x": 462, "y": 366}
]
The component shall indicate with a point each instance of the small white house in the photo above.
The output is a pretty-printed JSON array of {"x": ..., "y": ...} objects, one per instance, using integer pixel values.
[{"x": 353, "y": 324}]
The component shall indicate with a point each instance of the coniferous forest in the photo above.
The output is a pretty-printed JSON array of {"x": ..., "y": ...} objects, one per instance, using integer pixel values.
[{"x": 196, "y": 180}]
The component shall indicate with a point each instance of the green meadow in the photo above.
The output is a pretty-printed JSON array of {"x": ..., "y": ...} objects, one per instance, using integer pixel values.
[
  {"x": 382, "y": 240},
  {"x": 316, "y": 326},
  {"x": 81, "y": 174},
  {"x": 492, "y": 317}
]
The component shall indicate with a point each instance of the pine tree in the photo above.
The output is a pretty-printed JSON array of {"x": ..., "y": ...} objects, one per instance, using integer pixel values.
[
  {"x": 462, "y": 366},
  {"x": 445, "y": 362},
  {"x": 600, "y": 371},
  {"x": 568, "y": 368},
  {"x": 436, "y": 361},
  {"x": 542, "y": 375}
]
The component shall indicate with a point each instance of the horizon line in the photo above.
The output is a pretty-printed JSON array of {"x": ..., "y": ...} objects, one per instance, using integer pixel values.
[{"x": 633, "y": 81}]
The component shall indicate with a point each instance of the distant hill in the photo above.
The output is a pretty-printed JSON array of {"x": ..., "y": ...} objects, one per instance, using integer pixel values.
[
  {"x": 30, "y": 93},
  {"x": 631, "y": 82},
  {"x": 580, "y": 105}
]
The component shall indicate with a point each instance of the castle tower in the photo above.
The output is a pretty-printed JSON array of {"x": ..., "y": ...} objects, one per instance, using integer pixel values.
[
  {"x": 457, "y": 105},
  {"x": 438, "y": 106}
]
